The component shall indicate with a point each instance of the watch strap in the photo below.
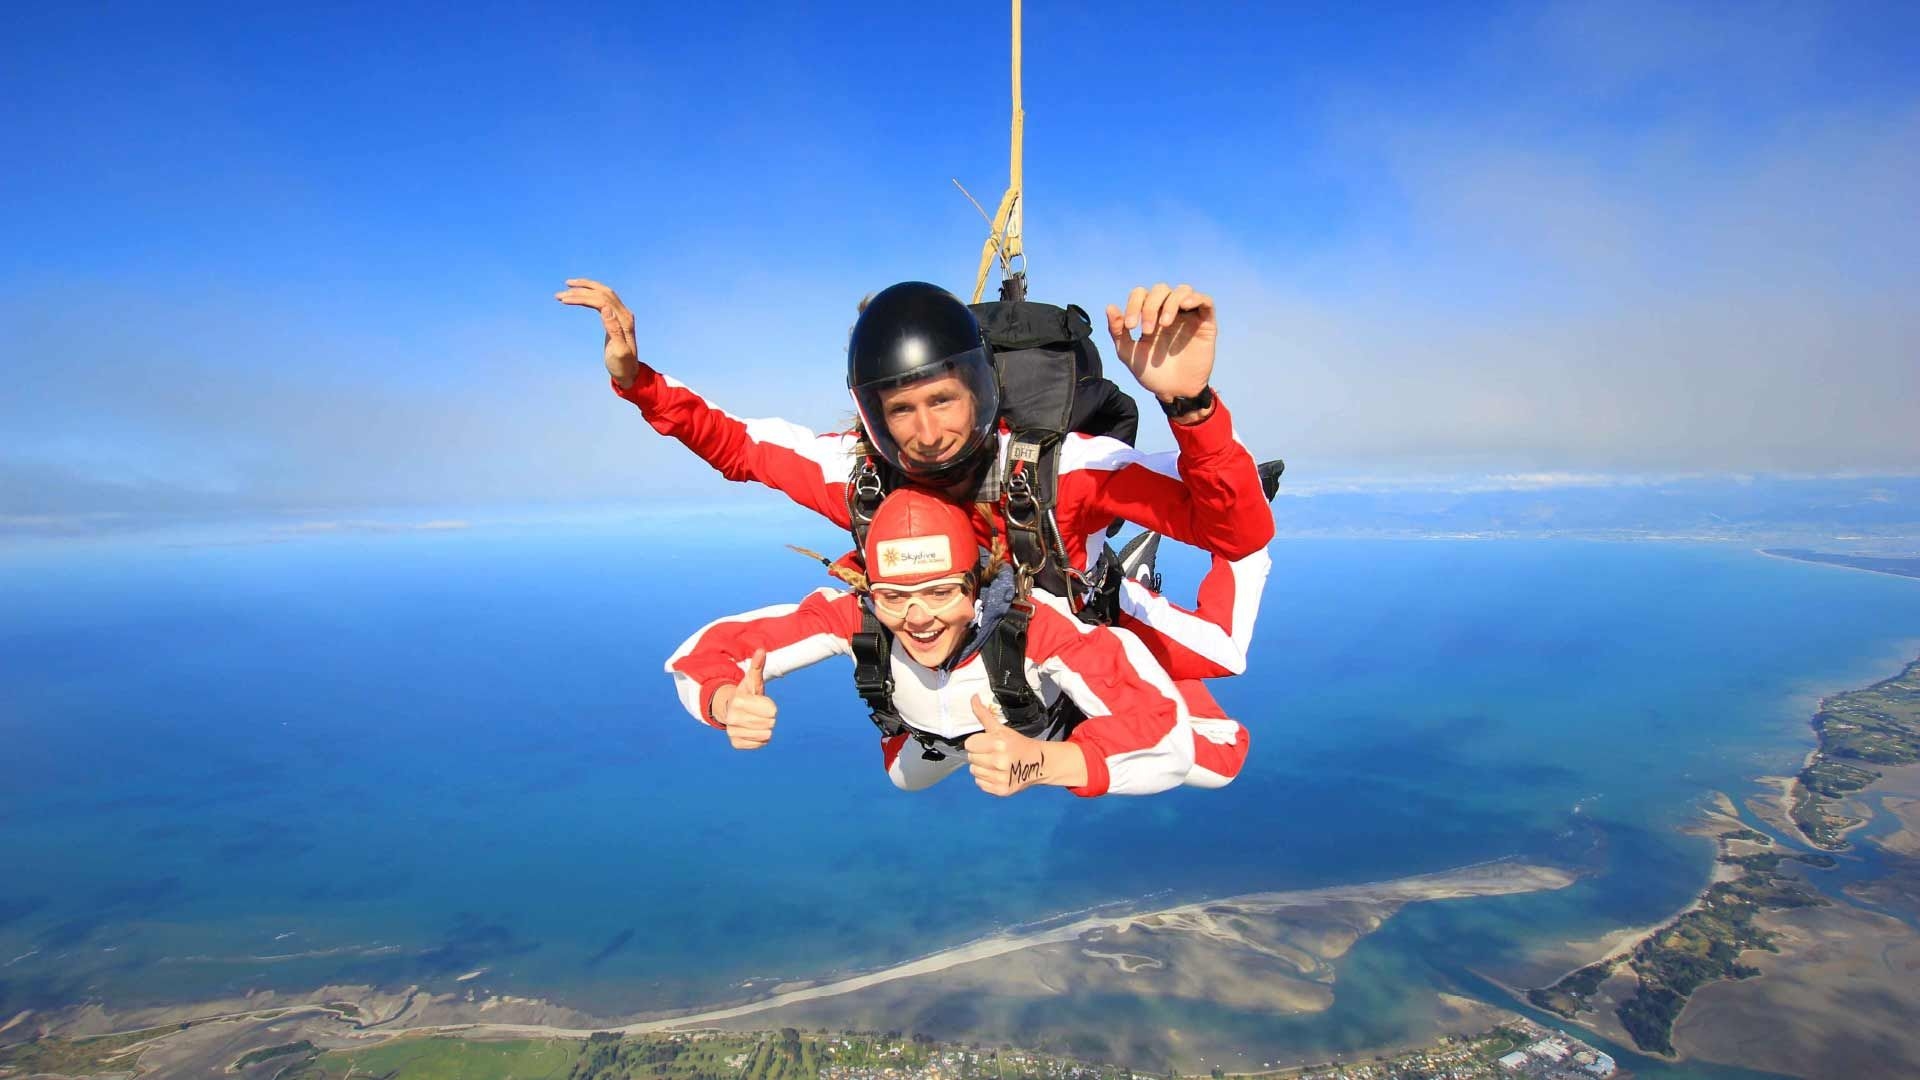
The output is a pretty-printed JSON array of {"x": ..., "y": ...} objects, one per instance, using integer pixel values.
[{"x": 1181, "y": 406}]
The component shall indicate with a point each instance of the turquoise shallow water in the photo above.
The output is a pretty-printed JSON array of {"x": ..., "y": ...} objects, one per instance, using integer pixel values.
[{"x": 402, "y": 758}]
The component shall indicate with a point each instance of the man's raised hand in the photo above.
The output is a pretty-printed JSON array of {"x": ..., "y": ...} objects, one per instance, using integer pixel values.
[
  {"x": 746, "y": 710},
  {"x": 1003, "y": 761},
  {"x": 623, "y": 354},
  {"x": 1173, "y": 357}
]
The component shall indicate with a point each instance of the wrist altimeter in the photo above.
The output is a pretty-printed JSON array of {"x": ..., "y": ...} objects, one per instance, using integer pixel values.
[{"x": 1181, "y": 406}]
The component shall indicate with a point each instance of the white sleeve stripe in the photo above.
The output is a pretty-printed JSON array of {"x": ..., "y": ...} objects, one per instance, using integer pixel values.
[
  {"x": 1202, "y": 777},
  {"x": 831, "y": 453},
  {"x": 1167, "y": 763},
  {"x": 1228, "y": 649},
  {"x": 1217, "y": 729},
  {"x": 1102, "y": 453},
  {"x": 787, "y": 658},
  {"x": 1183, "y": 628},
  {"x": 1163, "y": 765},
  {"x": 1249, "y": 585},
  {"x": 1099, "y": 453},
  {"x": 689, "y": 693},
  {"x": 772, "y": 611}
]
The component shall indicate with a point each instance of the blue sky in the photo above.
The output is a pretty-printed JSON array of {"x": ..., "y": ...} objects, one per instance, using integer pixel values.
[{"x": 293, "y": 260}]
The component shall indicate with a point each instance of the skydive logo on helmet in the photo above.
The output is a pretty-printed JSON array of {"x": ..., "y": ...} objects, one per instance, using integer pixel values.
[{"x": 915, "y": 555}]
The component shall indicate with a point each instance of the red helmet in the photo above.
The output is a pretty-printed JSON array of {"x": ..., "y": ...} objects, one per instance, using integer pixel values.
[{"x": 917, "y": 536}]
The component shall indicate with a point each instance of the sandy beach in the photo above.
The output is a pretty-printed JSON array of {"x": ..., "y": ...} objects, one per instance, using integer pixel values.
[
  {"x": 1216, "y": 925},
  {"x": 1261, "y": 952}
]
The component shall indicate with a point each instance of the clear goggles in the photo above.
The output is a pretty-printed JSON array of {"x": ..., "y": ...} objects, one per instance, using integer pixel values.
[{"x": 937, "y": 596}]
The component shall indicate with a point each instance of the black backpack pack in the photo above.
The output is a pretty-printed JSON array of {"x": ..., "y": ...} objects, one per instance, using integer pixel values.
[{"x": 1051, "y": 384}]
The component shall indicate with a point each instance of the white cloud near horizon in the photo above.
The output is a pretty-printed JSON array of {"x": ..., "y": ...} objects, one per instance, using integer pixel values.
[{"x": 1722, "y": 282}]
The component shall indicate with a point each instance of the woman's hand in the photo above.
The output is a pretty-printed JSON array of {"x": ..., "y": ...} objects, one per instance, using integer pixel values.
[{"x": 745, "y": 709}]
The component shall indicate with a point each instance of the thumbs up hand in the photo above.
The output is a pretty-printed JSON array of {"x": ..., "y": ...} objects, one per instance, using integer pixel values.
[
  {"x": 1002, "y": 760},
  {"x": 745, "y": 709}
]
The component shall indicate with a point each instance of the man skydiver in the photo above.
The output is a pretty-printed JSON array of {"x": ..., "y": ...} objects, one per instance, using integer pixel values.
[
  {"x": 1142, "y": 732},
  {"x": 922, "y": 379}
]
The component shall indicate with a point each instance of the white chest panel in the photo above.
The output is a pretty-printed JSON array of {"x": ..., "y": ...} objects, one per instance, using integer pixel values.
[{"x": 941, "y": 702}]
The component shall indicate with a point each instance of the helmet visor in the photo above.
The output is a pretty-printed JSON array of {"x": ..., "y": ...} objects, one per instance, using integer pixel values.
[{"x": 929, "y": 422}]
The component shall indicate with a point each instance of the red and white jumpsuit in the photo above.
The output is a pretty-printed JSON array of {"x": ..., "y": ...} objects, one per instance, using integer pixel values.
[
  {"x": 1143, "y": 733},
  {"x": 1207, "y": 495}
]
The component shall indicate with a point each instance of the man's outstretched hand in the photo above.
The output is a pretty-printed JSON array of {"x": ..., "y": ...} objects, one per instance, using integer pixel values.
[
  {"x": 623, "y": 354},
  {"x": 1173, "y": 356}
]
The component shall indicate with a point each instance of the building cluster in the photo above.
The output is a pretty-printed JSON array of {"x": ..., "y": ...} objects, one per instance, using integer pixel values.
[
  {"x": 959, "y": 1064},
  {"x": 1540, "y": 1055},
  {"x": 1526, "y": 1051},
  {"x": 1557, "y": 1057}
]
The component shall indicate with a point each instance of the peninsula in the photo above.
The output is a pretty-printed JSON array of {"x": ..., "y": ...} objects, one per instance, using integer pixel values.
[
  {"x": 1876, "y": 726},
  {"x": 1839, "y": 993},
  {"x": 1876, "y": 564}
]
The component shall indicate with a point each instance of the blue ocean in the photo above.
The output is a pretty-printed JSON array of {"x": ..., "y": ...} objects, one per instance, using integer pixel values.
[{"x": 403, "y": 757}]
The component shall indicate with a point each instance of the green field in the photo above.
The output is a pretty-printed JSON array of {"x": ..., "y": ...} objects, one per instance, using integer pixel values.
[{"x": 447, "y": 1059}]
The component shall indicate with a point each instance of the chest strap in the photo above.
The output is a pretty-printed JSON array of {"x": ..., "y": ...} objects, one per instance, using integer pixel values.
[
  {"x": 873, "y": 672},
  {"x": 1004, "y": 654}
]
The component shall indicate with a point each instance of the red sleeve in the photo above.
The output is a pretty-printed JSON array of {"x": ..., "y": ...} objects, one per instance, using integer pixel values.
[
  {"x": 794, "y": 636},
  {"x": 1136, "y": 739},
  {"x": 1214, "y": 503},
  {"x": 811, "y": 469}
]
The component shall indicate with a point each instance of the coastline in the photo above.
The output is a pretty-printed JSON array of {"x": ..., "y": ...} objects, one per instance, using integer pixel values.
[
  {"x": 1551, "y": 967},
  {"x": 1831, "y": 989},
  {"x": 1173, "y": 951},
  {"x": 1776, "y": 553}
]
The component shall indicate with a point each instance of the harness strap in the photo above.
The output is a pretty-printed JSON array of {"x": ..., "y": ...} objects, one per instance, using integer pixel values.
[
  {"x": 873, "y": 672},
  {"x": 1004, "y": 654},
  {"x": 1030, "y": 493},
  {"x": 866, "y": 490}
]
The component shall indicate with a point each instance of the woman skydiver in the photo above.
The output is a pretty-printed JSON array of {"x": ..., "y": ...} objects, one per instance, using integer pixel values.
[
  {"x": 922, "y": 378},
  {"x": 1136, "y": 731}
]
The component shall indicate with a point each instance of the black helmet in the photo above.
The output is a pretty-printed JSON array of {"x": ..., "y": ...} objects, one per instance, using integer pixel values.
[{"x": 915, "y": 331}]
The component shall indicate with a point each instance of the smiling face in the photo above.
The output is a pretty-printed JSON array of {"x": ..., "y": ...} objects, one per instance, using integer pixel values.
[
  {"x": 931, "y": 421},
  {"x": 930, "y": 619}
]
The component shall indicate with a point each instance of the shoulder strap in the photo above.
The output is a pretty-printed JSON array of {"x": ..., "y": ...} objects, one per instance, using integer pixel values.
[
  {"x": 1031, "y": 490},
  {"x": 873, "y": 672},
  {"x": 1004, "y": 654},
  {"x": 866, "y": 489}
]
